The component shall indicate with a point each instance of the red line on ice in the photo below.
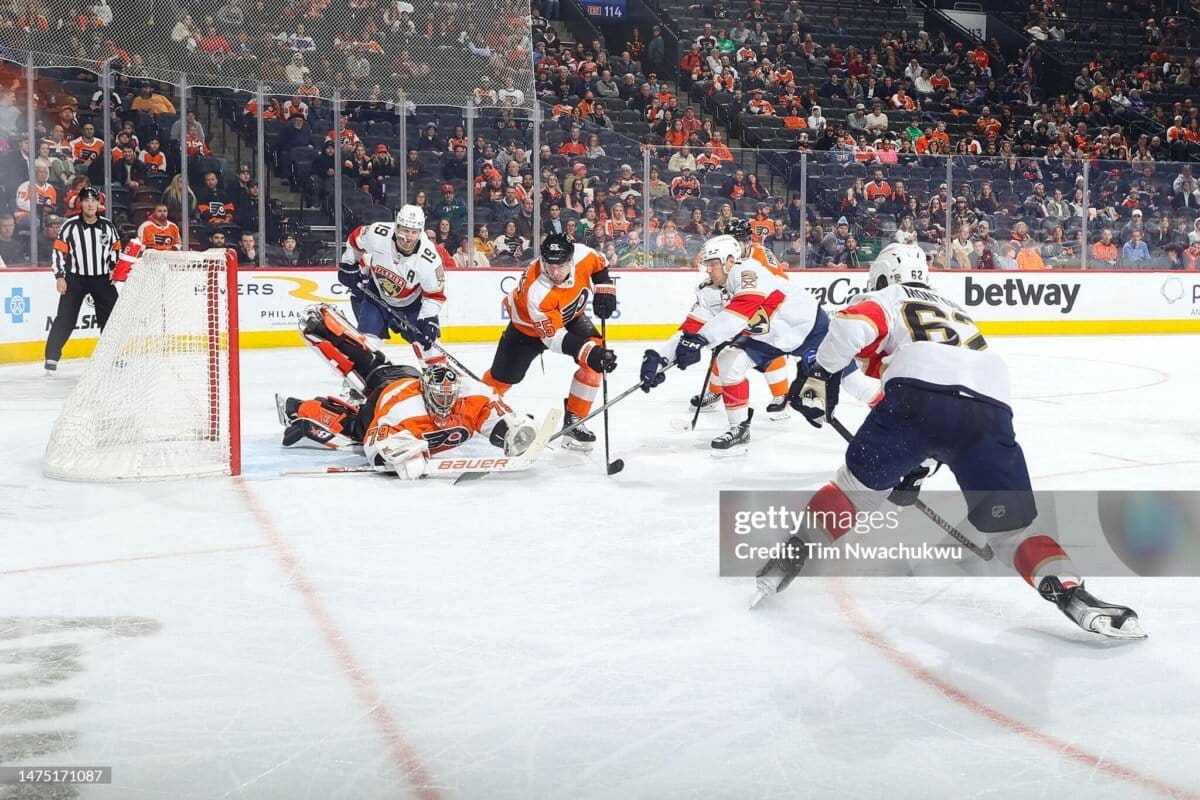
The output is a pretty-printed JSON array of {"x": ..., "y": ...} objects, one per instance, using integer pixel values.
[
  {"x": 403, "y": 755},
  {"x": 955, "y": 695}
]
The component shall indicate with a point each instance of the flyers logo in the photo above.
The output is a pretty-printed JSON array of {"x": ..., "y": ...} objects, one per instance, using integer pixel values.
[
  {"x": 749, "y": 279},
  {"x": 446, "y": 438}
]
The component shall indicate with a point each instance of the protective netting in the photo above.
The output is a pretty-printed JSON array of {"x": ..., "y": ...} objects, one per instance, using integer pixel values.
[
  {"x": 158, "y": 398},
  {"x": 443, "y": 52}
]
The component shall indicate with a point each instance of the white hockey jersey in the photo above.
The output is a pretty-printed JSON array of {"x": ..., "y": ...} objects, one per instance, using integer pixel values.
[
  {"x": 399, "y": 279},
  {"x": 908, "y": 331},
  {"x": 765, "y": 305}
]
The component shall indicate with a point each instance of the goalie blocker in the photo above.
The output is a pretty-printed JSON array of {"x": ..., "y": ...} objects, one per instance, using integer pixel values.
[{"x": 405, "y": 415}]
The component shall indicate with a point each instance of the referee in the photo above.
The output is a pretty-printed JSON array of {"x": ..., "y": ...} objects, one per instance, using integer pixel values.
[{"x": 84, "y": 254}]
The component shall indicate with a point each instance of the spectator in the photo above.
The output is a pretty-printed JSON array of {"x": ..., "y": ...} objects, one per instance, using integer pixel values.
[
  {"x": 685, "y": 185},
  {"x": 173, "y": 197},
  {"x": 158, "y": 232},
  {"x": 13, "y": 252},
  {"x": 1135, "y": 253},
  {"x": 151, "y": 102},
  {"x": 178, "y": 129},
  {"x": 835, "y": 241},
  {"x": 46, "y": 194},
  {"x": 247, "y": 250},
  {"x": 511, "y": 248},
  {"x": 451, "y": 208}
]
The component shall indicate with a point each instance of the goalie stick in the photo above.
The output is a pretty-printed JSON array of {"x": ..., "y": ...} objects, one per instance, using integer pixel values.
[
  {"x": 457, "y": 466},
  {"x": 986, "y": 552},
  {"x": 470, "y": 476}
]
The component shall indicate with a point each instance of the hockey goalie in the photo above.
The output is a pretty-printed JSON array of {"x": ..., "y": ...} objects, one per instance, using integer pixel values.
[{"x": 397, "y": 416}]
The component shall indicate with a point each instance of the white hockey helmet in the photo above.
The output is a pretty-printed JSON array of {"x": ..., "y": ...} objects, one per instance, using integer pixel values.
[
  {"x": 410, "y": 216},
  {"x": 898, "y": 263},
  {"x": 720, "y": 248}
]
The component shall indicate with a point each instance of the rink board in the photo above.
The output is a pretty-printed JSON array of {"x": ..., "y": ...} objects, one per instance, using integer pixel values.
[{"x": 652, "y": 303}]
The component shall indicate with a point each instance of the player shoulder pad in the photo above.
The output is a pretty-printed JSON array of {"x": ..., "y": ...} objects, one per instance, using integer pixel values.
[
  {"x": 746, "y": 276},
  {"x": 582, "y": 251},
  {"x": 427, "y": 251}
]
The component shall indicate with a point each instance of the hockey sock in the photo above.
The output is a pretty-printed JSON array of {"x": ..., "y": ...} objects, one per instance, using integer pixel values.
[{"x": 584, "y": 384}]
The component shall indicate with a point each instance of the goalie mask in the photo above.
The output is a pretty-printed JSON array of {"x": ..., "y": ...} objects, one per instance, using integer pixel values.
[
  {"x": 439, "y": 388},
  {"x": 898, "y": 263}
]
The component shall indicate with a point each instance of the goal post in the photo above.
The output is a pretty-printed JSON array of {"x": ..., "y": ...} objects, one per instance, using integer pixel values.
[{"x": 160, "y": 396}]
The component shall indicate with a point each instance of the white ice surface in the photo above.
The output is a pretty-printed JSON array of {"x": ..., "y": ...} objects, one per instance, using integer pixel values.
[{"x": 560, "y": 633}]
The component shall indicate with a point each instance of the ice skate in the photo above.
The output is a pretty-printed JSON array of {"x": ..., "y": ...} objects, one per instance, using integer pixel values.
[
  {"x": 579, "y": 438},
  {"x": 707, "y": 401},
  {"x": 734, "y": 441},
  {"x": 777, "y": 574},
  {"x": 777, "y": 409},
  {"x": 1091, "y": 613}
]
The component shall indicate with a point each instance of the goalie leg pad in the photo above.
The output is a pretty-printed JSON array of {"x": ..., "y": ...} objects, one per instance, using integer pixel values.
[
  {"x": 339, "y": 343},
  {"x": 329, "y": 421}
]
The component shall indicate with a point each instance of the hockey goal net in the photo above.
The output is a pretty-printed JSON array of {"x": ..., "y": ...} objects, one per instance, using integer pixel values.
[{"x": 159, "y": 398}]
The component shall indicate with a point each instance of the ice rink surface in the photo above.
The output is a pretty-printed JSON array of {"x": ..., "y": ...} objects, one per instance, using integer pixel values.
[{"x": 559, "y": 633}]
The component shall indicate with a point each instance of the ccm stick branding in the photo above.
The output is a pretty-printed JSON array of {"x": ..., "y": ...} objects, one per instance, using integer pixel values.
[{"x": 1020, "y": 292}]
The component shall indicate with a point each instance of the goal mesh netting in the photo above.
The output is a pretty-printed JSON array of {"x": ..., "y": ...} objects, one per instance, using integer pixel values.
[{"x": 159, "y": 398}]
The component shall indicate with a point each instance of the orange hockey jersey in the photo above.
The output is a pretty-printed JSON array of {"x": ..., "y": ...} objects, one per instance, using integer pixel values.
[
  {"x": 540, "y": 308},
  {"x": 401, "y": 409}
]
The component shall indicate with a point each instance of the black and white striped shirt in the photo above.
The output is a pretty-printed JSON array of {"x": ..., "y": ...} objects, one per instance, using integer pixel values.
[{"x": 86, "y": 249}]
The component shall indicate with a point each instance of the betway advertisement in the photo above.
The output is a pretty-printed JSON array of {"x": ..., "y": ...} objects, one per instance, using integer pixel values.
[{"x": 653, "y": 302}]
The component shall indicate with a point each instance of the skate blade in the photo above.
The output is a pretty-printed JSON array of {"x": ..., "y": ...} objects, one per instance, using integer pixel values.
[
  {"x": 280, "y": 408},
  {"x": 732, "y": 452},
  {"x": 779, "y": 416},
  {"x": 1132, "y": 629},
  {"x": 577, "y": 447}
]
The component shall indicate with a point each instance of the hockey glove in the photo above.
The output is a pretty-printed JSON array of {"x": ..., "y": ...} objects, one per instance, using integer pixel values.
[
  {"x": 905, "y": 494},
  {"x": 815, "y": 395},
  {"x": 652, "y": 366},
  {"x": 604, "y": 304},
  {"x": 402, "y": 454},
  {"x": 427, "y": 333},
  {"x": 687, "y": 352},
  {"x": 594, "y": 355}
]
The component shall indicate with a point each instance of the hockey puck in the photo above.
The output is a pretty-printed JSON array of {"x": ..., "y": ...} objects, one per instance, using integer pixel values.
[{"x": 616, "y": 466}]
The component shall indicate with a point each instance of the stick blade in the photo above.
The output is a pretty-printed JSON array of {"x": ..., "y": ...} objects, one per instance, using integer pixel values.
[{"x": 616, "y": 466}]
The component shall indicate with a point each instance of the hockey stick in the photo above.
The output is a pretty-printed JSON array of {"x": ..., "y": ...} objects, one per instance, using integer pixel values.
[
  {"x": 985, "y": 552},
  {"x": 457, "y": 466},
  {"x": 470, "y": 476},
  {"x": 679, "y": 425},
  {"x": 597, "y": 411},
  {"x": 610, "y": 466},
  {"x": 396, "y": 317}
]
